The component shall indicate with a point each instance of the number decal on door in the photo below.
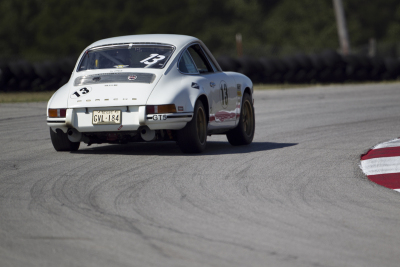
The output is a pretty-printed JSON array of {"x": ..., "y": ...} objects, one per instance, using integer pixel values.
[{"x": 224, "y": 94}]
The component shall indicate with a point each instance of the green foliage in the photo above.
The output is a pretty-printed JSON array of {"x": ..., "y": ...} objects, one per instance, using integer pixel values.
[
  {"x": 305, "y": 25},
  {"x": 371, "y": 19},
  {"x": 40, "y": 29}
]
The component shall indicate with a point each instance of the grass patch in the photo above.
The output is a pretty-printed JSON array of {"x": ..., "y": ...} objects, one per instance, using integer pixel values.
[
  {"x": 14, "y": 97},
  {"x": 283, "y": 86}
]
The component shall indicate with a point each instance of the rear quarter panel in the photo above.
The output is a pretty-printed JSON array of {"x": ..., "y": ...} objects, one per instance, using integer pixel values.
[{"x": 175, "y": 88}]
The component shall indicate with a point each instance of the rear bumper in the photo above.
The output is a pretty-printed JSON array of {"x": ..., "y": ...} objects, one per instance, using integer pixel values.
[{"x": 132, "y": 117}]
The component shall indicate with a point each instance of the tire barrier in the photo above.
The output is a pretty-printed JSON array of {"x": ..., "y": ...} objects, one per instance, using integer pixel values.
[
  {"x": 21, "y": 75},
  {"x": 325, "y": 67}
]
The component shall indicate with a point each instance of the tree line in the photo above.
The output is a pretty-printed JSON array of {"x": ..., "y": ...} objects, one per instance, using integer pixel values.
[{"x": 50, "y": 29}]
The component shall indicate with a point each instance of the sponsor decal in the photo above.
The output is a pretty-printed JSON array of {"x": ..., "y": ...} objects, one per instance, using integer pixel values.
[
  {"x": 212, "y": 84},
  {"x": 120, "y": 127},
  {"x": 222, "y": 116},
  {"x": 239, "y": 90},
  {"x": 180, "y": 108},
  {"x": 96, "y": 79},
  {"x": 132, "y": 77}
]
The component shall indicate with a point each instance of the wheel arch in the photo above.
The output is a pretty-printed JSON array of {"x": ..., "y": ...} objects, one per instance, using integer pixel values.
[
  {"x": 248, "y": 90},
  {"x": 204, "y": 101}
]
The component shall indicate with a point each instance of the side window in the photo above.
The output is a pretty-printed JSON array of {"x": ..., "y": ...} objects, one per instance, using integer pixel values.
[
  {"x": 210, "y": 61},
  {"x": 212, "y": 65},
  {"x": 200, "y": 59},
  {"x": 186, "y": 64}
]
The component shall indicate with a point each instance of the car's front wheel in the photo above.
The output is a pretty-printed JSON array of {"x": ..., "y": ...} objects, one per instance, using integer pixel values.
[
  {"x": 193, "y": 138},
  {"x": 61, "y": 142},
  {"x": 244, "y": 132}
]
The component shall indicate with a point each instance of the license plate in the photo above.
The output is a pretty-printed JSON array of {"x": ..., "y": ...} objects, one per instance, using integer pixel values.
[{"x": 106, "y": 117}]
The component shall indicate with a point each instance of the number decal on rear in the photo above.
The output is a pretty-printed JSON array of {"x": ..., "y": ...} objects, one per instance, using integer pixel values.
[{"x": 82, "y": 91}]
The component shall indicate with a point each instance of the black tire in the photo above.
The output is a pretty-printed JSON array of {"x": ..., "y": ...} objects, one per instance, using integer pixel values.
[
  {"x": 61, "y": 142},
  {"x": 193, "y": 138},
  {"x": 243, "y": 133}
]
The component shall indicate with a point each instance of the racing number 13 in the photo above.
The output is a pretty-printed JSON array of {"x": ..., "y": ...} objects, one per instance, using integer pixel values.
[
  {"x": 83, "y": 91},
  {"x": 224, "y": 94},
  {"x": 154, "y": 57}
]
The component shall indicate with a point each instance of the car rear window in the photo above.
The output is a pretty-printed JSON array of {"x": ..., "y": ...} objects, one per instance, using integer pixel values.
[{"x": 126, "y": 56}]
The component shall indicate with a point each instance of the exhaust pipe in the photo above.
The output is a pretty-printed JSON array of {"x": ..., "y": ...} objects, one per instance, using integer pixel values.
[
  {"x": 147, "y": 134},
  {"x": 74, "y": 135}
]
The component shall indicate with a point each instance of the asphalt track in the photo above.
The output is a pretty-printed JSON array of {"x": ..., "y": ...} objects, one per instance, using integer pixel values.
[{"x": 295, "y": 197}]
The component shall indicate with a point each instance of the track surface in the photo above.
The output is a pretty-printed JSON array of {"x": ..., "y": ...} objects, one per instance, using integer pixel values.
[{"x": 295, "y": 197}]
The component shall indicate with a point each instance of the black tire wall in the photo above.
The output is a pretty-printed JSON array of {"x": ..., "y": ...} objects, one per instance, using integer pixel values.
[
  {"x": 21, "y": 75},
  {"x": 326, "y": 67}
]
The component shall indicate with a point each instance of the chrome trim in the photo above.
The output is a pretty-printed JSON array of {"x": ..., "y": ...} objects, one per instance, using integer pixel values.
[{"x": 171, "y": 116}]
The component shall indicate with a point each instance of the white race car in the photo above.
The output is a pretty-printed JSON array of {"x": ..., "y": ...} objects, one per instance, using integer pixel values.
[{"x": 155, "y": 87}]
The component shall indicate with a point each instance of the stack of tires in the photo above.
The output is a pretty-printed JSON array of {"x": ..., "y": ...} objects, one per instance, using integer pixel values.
[
  {"x": 21, "y": 75},
  {"x": 326, "y": 67}
]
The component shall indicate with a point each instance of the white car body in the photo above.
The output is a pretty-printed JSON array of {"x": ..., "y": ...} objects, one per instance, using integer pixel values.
[{"x": 105, "y": 89}]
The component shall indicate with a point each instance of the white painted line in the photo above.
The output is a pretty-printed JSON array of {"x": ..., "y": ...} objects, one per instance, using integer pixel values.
[
  {"x": 381, "y": 165},
  {"x": 392, "y": 143}
]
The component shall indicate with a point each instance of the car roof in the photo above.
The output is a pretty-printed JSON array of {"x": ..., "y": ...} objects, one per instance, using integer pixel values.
[
  {"x": 179, "y": 41},
  {"x": 174, "y": 39}
]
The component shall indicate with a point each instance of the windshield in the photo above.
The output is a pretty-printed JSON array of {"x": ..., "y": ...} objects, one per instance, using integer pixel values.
[{"x": 126, "y": 56}]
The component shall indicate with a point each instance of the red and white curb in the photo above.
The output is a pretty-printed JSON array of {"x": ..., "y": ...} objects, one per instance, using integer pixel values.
[{"x": 381, "y": 164}]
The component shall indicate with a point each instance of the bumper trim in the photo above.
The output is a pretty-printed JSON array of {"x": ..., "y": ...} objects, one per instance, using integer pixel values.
[
  {"x": 55, "y": 121},
  {"x": 171, "y": 116}
]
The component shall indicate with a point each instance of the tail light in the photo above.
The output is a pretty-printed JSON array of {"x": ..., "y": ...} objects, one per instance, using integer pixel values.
[
  {"x": 57, "y": 113},
  {"x": 158, "y": 109}
]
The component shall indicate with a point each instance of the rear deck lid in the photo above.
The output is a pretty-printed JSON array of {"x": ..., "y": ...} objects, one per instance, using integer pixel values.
[{"x": 102, "y": 89}]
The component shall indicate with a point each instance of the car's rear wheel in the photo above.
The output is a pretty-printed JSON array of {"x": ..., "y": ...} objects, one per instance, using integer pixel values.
[
  {"x": 243, "y": 133},
  {"x": 193, "y": 138},
  {"x": 61, "y": 142}
]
